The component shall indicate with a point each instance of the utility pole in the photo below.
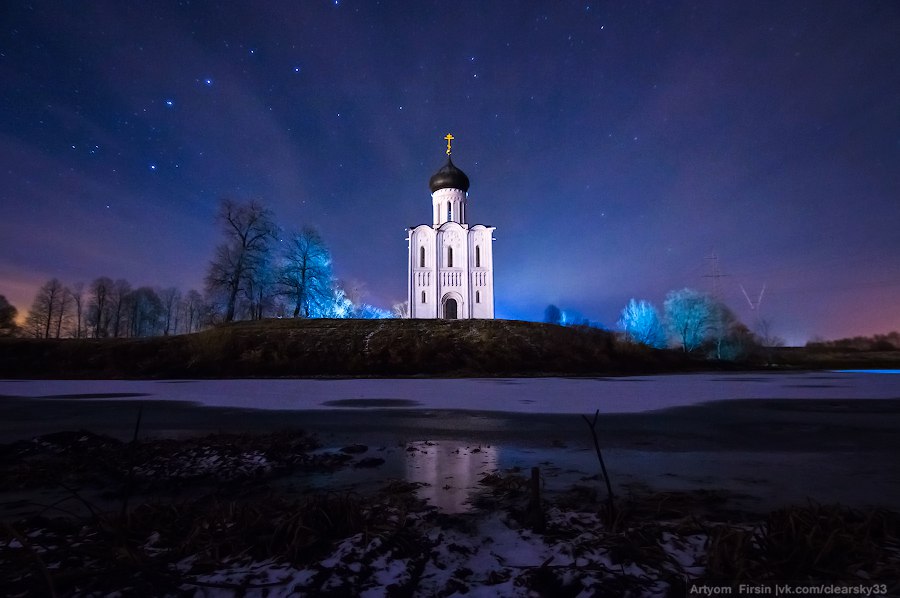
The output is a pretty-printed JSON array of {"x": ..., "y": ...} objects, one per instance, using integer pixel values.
[{"x": 716, "y": 275}]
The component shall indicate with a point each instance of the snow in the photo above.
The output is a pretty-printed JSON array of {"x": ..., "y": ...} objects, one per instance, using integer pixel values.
[{"x": 521, "y": 395}]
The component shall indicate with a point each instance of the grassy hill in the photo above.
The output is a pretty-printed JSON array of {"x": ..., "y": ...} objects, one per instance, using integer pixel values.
[{"x": 300, "y": 348}]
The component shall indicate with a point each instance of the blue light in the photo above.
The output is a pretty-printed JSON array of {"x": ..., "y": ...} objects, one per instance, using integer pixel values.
[{"x": 867, "y": 371}]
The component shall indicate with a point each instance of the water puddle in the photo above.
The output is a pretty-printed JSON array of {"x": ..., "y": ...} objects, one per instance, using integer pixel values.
[{"x": 450, "y": 473}]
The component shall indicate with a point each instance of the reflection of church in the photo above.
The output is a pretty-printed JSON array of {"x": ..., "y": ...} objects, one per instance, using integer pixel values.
[{"x": 451, "y": 265}]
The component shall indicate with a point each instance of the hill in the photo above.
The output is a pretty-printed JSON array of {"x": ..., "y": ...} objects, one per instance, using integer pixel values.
[{"x": 308, "y": 348}]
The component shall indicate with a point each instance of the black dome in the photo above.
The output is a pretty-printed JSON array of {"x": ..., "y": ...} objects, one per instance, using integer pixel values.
[{"x": 449, "y": 177}]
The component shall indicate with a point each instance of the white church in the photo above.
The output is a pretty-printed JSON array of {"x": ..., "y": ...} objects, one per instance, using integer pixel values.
[{"x": 451, "y": 264}]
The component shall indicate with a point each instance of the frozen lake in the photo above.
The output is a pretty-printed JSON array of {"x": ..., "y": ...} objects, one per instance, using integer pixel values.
[
  {"x": 517, "y": 395},
  {"x": 778, "y": 437}
]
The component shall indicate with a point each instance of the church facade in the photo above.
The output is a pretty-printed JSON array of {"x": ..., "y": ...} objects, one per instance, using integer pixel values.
[{"x": 451, "y": 264}]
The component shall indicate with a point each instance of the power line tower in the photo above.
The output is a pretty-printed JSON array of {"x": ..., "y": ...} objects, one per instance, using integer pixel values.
[
  {"x": 754, "y": 305},
  {"x": 762, "y": 326},
  {"x": 715, "y": 273}
]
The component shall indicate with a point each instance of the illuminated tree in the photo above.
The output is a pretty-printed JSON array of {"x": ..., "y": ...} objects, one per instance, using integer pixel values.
[
  {"x": 401, "y": 309},
  {"x": 640, "y": 322},
  {"x": 249, "y": 232},
  {"x": 689, "y": 317},
  {"x": 305, "y": 275},
  {"x": 553, "y": 315},
  {"x": 8, "y": 326}
]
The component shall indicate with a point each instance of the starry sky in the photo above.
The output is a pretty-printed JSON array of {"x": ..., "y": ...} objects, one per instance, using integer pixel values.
[{"x": 616, "y": 146}]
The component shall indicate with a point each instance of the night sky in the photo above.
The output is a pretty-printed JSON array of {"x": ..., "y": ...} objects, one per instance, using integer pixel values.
[{"x": 615, "y": 146}]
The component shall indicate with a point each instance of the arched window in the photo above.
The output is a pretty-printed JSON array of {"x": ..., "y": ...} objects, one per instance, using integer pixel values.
[
  {"x": 422, "y": 256},
  {"x": 477, "y": 256},
  {"x": 449, "y": 211},
  {"x": 477, "y": 296},
  {"x": 449, "y": 257},
  {"x": 423, "y": 296}
]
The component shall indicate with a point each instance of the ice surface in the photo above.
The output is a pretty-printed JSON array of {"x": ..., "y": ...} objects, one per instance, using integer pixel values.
[{"x": 521, "y": 395}]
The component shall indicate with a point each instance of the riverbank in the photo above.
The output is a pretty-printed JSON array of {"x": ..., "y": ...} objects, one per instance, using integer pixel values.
[
  {"x": 277, "y": 514},
  {"x": 429, "y": 500}
]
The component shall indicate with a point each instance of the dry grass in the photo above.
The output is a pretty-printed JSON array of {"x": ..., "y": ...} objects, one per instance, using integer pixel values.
[{"x": 342, "y": 348}]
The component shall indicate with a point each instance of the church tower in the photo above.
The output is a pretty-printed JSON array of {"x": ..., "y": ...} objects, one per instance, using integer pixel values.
[{"x": 451, "y": 264}]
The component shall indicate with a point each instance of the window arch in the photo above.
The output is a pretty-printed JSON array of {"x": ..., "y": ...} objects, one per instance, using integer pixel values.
[
  {"x": 477, "y": 296},
  {"x": 422, "y": 256},
  {"x": 477, "y": 256},
  {"x": 423, "y": 296},
  {"x": 449, "y": 257},
  {"x": 449, "y": 211}
]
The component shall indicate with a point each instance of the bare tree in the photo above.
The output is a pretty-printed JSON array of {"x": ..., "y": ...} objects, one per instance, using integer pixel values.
[
  {"x": 249, "y": 231},
  {"x": 145, "y": 311},
  {"x": 118, "y": 298},
  {"x": 98, "y": 307},
  {"x": 8, "y": 313},
  {"x": 689, "y": 316},
  {"x": 401, "y": 310},
  {"x": 641, "y": 324},
  {"x": 193, "y": 306},
  {"x": 44, "y": 308},
  {"x": 170, "y": 299},
  {"x": 78, "y": 301},
  {"x": 305, "y": 275},
  {"x": 62, "y": 312}
]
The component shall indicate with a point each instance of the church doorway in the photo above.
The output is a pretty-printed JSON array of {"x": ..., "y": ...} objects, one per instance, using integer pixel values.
[{"x": 450, "y": 310}]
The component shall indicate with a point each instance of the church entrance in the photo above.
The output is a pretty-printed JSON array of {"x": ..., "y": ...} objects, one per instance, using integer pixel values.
[{"x": 450, "y": 309}]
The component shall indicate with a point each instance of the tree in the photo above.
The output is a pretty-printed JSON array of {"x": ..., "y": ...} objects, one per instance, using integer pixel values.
[
  {"x": 8, "y": 313},
  {"x": 305, "y": 275},
  {"x": 401, "y": 310},
  {"x": 193, "y": 306},
  {"x": 46, "y": 309},
  {"x": 145, "y": 311},
  {"x": 249, "y": 232},
  {"x": 98, "y": 306},
  {"x": 640, "y": 322},
  {"x": 688, "y": 315},
  {"x": 78, "y": 301},
  {"x": 170, "y": 299},
  {"x": 118, "y": 298},
  {"x": 553, "y": 315}
]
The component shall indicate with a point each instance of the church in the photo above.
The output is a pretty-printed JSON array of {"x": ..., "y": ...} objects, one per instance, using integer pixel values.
[{"x": 451, "y": 264}]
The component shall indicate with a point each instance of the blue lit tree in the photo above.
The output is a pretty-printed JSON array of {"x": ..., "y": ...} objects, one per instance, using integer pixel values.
[
  {"x": 689, "y": 317},
  {"x": 305, "y": 275},
  {"x": 641, "y": 323},
  {"x": 553, "y": 315}
]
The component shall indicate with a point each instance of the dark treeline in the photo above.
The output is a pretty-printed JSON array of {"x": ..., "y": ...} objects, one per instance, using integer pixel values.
[
  {"x": 108, "y": 308},
  {"x": 258, "y": 271},
  {"x": 879, "y": 342}
]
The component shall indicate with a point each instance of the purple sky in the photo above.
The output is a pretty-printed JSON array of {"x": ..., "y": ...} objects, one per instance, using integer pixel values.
[{"x": 615, "y": 146}]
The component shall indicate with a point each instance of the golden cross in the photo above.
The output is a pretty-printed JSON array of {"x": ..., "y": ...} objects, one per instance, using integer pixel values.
[{"x": 449, "y": 138}]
